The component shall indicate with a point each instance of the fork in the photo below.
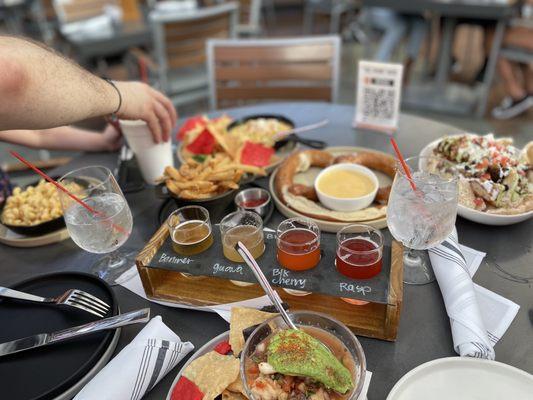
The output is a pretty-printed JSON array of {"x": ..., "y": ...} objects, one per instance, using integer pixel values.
[{"x": 73, "y": 297}]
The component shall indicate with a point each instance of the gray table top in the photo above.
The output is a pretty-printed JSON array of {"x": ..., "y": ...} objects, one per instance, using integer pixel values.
[
  {"x": 127, "y": 35},
  {"x": 424, "y": 332},
  {"x": 478, "y": 9}
]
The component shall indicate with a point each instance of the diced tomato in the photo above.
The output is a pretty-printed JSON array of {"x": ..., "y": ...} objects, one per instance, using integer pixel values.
[
  {"x": 253, "y": 369},
  {"x": 485, "y": 176},
  {"x": 190, "y": 124},
  {"x": 223, "y": 348},
  {"x": 504, "y": 161},
  {"x": 256, "y": 154},
  {"x": 186, "y": 389},
  {"x": 478, "y": 201},
  {"x": 203, "y": 144}
]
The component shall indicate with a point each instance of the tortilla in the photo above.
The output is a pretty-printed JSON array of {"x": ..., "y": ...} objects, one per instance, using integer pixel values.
[
  {"x": 212, "y": 373},
  {"x": 237, "y": 386},
  {"x": 227, "y": 395},
  {"x": 242, "y": 318},
  {"x": 315, "y": 210}
]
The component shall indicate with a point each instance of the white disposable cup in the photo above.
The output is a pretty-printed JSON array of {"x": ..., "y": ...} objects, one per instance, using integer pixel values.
[{"x": 151, "y": 157}]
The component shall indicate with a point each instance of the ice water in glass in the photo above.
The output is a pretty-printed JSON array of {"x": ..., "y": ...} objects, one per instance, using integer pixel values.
[
  {"x": 421, "y": 218},
  {"x": 103, "y": 224},
  {"x": 98, "y": 233}
]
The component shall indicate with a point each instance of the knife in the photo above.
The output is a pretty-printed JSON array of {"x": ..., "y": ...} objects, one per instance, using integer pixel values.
[{"x": 44, "y": 339}]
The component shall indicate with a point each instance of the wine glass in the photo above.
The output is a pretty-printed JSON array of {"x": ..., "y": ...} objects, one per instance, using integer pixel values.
[
  {"x": 424, "y": 217},
  {"x": 104, "y": 225}
]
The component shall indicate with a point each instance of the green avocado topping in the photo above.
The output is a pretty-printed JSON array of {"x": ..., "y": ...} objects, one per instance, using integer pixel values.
[{"x": 296, "y": 353}]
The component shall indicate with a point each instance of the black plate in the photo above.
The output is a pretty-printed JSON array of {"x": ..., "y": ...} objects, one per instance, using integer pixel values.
[
  {"x": 40, "y": 229},
  {"x": 279, "y": 117},
  {"x": 216, "y": 206},
  {"x": 47, "y": 372}
]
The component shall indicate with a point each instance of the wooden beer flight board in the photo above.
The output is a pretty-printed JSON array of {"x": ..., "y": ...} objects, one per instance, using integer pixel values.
[{"x": 160, "y": 271}]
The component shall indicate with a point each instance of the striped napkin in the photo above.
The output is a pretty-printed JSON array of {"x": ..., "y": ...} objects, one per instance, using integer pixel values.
[
  {"x": 478, "y": 317},
  {"x": 139, "y": 366}
]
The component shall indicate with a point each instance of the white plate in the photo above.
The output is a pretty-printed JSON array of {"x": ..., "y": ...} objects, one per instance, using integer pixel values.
[
  {"x": 206, "y": 348},
  {"x": 459, "y": 378},
  {"x": 480, "y": 216}
]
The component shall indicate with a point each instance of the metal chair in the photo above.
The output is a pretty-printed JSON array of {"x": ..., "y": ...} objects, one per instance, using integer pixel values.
[
  {"x": 178, "y": 62},
  {"x": 77, "y": 10},
  {"x": 249, "y": 18},
  {"x": 244, "y": 71}
]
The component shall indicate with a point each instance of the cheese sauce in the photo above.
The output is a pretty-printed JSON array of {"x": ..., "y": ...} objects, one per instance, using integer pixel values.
[{"x": 344, "y": 183}]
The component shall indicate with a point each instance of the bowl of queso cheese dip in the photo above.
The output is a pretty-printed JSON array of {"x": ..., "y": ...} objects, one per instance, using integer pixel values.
[
  {"x": 346, "y": 187},
  {"x": 320, "y": 360}
]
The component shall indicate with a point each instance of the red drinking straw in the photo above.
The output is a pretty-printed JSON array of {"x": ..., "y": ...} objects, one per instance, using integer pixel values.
[
  {"x": 402, "y": 161},
  {"x": 63, "y": 189}
]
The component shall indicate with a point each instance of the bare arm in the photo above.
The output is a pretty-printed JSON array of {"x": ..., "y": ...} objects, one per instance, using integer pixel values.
[
  {"x": 41, "y": 89},
  {"x": 65, "y": 138}
]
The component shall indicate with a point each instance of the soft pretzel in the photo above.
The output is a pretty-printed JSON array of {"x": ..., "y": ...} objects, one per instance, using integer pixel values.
[{"x": 304, "y": 199}]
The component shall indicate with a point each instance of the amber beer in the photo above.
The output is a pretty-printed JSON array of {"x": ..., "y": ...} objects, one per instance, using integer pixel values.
[
  {"x": 191, "y": 237},
  {"x": 190, "y": 230},
  {"x": 250, "y": 236},
  {"x": 245, "y": 227}
]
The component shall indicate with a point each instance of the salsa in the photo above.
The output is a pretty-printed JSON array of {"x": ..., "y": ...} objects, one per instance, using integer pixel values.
[{"x": 252, "y": 203}]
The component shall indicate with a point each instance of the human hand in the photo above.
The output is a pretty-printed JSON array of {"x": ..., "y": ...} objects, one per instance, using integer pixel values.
[
  {"x": 140, "y": 101},
  {"x": 111, "y": 138}
]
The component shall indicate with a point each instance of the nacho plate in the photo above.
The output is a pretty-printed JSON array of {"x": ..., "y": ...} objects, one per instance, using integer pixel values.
[
  {"x": 308, "y": 178},
  {"x": 473, "y": 215}
]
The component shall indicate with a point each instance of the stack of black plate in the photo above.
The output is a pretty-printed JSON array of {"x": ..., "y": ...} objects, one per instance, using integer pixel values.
[{"x": 58, "y": 371}]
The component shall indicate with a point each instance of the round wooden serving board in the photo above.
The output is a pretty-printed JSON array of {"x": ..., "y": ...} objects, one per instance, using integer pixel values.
[
  {"x": 16, "y": 240},
  {"x": 308, "y": 178}
]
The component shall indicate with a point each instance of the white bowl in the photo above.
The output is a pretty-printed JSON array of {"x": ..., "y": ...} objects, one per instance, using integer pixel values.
[
  {"x": 473, "y": 215},
  {"x": 347, "y": 204}
]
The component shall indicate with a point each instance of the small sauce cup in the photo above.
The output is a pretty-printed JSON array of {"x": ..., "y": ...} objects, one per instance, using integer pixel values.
[{"x": 254, "y": 199}]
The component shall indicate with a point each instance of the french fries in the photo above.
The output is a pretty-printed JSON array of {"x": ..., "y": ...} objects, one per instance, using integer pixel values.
[{"x": 217, "y": 174}]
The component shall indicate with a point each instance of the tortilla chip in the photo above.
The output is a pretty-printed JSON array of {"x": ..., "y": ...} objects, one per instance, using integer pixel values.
[
  {"x": 237, "y": 386},
  {"x": 229, "y": 144},
  {"x": 213, "y": 373},
  {"x": 227, "y": 395},
  {"x": 242, "y": 318}
]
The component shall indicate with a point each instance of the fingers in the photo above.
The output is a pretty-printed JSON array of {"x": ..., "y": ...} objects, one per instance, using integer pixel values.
[
  {"x": 164, "y": 120},
  {"x": 155, "y": 127},
  {"x": 165, "y": 101}
]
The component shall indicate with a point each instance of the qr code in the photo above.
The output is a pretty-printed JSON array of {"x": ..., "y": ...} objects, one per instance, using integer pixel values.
[{"x": 378, "y": 103}]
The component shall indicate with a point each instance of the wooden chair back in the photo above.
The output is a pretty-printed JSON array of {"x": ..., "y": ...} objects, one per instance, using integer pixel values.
[
  {"x": 249, "y": 17},
  {"x": 244, "y": 71},
  {"x": 180, "y": 40},
  {"x": 77, "y": 10}
]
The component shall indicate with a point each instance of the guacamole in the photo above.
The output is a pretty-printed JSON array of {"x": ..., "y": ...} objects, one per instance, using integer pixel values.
[{"x": 296, "y": 353}]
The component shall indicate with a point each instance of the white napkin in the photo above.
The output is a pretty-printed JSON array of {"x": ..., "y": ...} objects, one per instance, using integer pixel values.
[
  {"x": 139, "y": 366},
  {"x": 132, "y": 281},
  {"x": 478, "y": 317}
]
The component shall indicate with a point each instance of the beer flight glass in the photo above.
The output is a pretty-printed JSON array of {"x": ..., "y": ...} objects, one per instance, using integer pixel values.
[
  {"x": 298, "y": 243},
  {"x": 190, "y": 230}
]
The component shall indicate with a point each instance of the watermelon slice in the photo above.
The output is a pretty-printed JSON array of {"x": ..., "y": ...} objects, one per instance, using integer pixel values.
[
  {"x": 190, "y": 124},
  {"x": 256, "y": 154},
  {"x": 186, "y": 389},
  {"x": 203, "y": 144},
  {"x": 223, "y": 348}
]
